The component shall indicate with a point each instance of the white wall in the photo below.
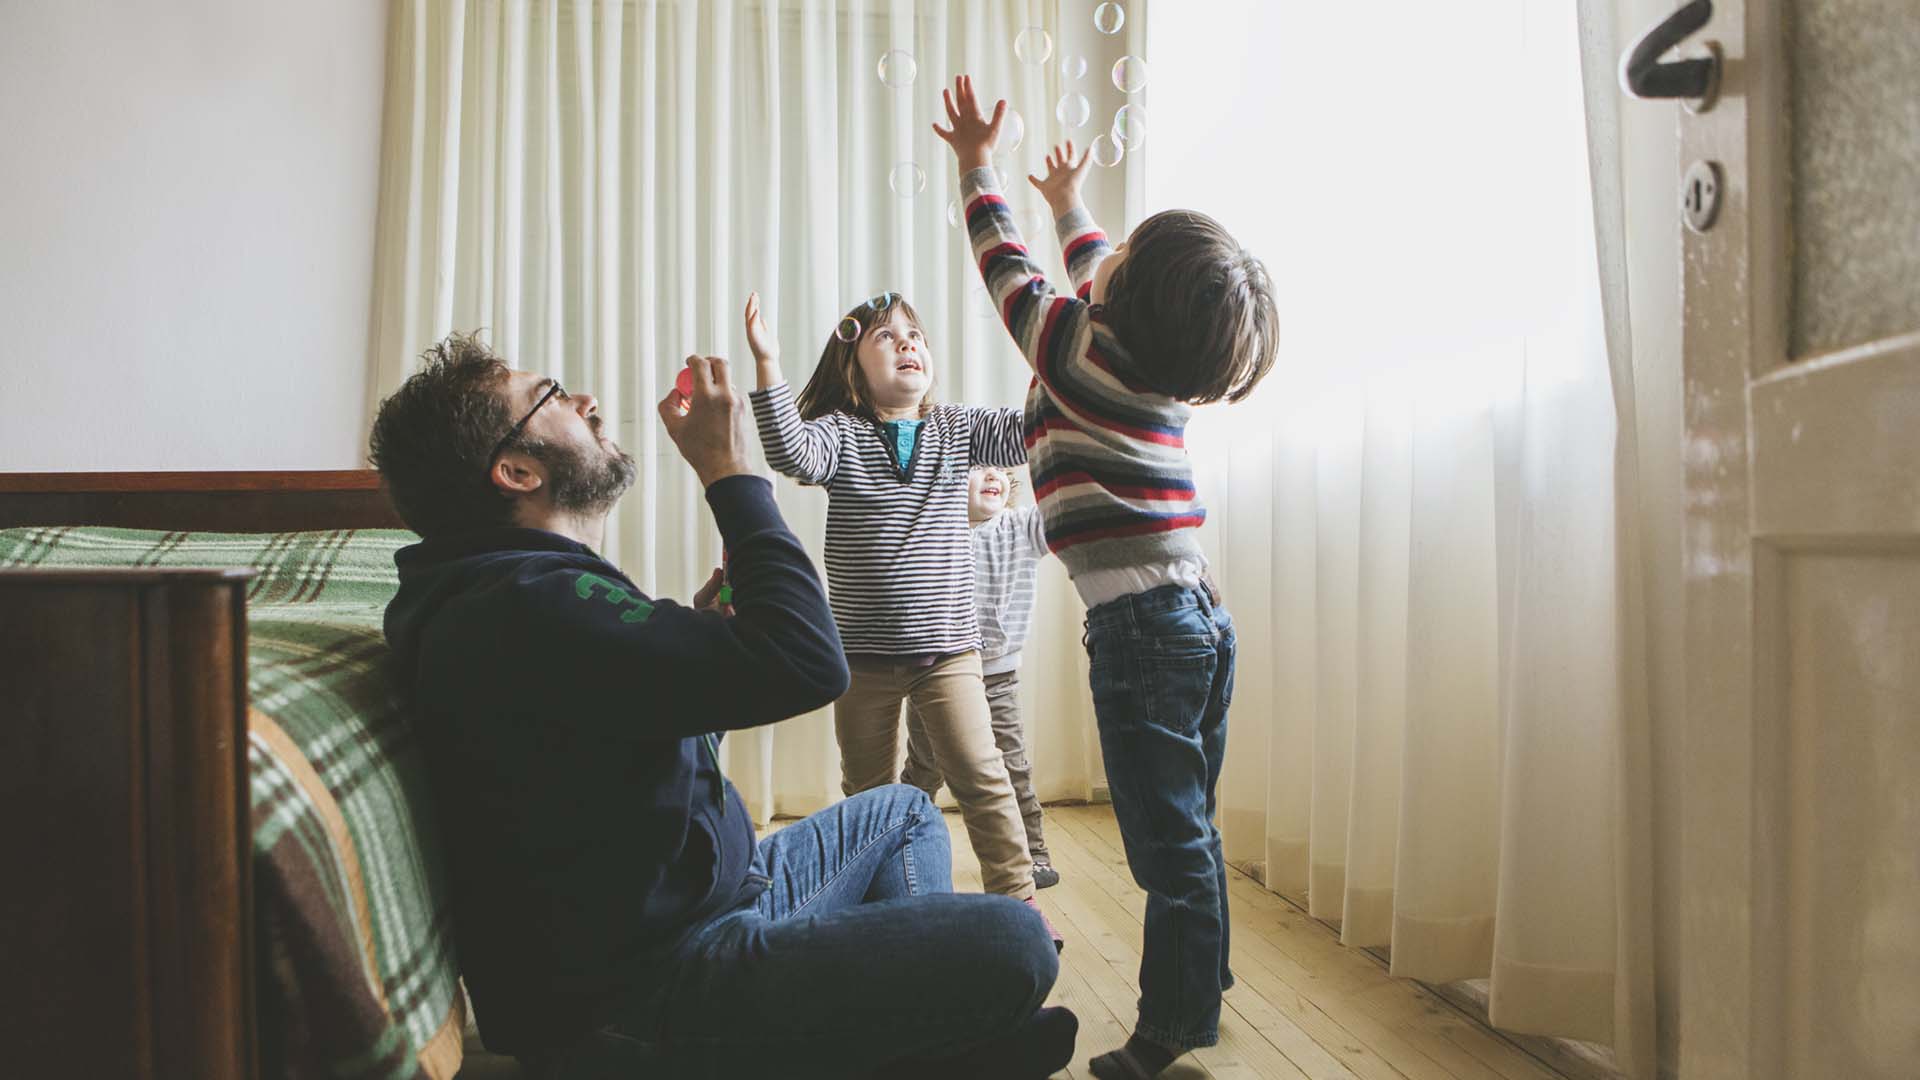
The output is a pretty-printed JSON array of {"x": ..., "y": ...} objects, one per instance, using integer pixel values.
[{"x": 186, "y": 231}]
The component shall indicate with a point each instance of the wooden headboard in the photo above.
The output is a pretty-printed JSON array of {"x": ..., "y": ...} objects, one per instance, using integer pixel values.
[{"x": 199, "y": 501}]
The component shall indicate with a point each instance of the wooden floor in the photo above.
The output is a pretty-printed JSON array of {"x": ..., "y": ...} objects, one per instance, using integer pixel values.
[{"x": 1304, "y": 1005}]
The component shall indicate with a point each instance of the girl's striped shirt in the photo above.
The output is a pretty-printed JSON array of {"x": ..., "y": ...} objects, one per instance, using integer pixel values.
[
  {"x": 1110, "y": 468},
  {"x": 899, "y": 560}
]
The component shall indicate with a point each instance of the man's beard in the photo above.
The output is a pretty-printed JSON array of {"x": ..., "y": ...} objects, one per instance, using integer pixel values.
[{"x": 583, "y": 481}]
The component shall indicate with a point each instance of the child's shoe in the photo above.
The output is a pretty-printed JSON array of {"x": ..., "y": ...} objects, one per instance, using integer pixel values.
[
  {"x": 1059, "y": 943},
  {"x": 1045, "y": 876}
]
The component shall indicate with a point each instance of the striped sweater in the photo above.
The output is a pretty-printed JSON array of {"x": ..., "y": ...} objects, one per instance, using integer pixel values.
[
  {"x": 1006, "y": 551},
  {"x": 1110, "y": 468},
  {"x": 899, "y": 561}
]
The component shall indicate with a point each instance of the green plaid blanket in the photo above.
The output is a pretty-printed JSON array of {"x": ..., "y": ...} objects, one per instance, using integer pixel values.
[{"x": 357, "y": 973}]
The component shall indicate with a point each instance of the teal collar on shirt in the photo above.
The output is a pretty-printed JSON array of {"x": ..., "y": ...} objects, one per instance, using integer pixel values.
[{"x": 905, "y": 434}]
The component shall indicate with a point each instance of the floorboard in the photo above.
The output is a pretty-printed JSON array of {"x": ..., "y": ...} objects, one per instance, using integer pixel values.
[{"x": 1305, "y": 1007}]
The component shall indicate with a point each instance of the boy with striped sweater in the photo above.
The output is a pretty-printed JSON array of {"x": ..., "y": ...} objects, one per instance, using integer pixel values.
[{"x": 1179, "y": 315}]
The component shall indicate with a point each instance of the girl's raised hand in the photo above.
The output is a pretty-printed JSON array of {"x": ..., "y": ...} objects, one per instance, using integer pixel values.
[
  {"x": 968, "y": 131},
  {"x": 1061, "y": 186},
  {"x": 759, "y": 339}
]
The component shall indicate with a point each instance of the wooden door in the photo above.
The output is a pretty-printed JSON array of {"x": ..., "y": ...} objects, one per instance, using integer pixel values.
[{"x": 1801, "y": 852}]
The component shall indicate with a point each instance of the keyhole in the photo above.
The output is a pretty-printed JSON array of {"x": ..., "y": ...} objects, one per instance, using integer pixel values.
[{"x": 1700, "y": 195}]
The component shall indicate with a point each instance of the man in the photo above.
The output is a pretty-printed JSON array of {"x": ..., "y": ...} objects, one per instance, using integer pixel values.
[{"x": 614, "y": 913}]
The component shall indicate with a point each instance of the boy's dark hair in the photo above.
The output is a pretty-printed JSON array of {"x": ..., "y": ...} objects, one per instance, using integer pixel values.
[
  {"x": 838, "y": 384},
  {"x": 1193, "y": 308},
  {"x": 433, "y": 439}
]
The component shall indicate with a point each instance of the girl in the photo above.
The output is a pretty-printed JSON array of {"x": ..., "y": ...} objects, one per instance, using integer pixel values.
[{"x": 899, "y": 562}]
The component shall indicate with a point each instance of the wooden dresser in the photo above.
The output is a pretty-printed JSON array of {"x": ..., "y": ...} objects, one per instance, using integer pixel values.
[{"x": 126, "y": 929}]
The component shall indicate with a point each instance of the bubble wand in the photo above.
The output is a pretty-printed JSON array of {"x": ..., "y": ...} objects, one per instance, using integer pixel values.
[{"x": 683, "y": 382}]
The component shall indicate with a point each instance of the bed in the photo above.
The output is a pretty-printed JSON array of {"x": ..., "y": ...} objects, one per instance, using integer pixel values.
[{"x": 231, "y": 861}]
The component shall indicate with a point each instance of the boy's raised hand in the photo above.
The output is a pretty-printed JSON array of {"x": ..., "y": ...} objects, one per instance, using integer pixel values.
[
  {"x": 1061, "y": 186},
  {"x": 968, "y": 131}
]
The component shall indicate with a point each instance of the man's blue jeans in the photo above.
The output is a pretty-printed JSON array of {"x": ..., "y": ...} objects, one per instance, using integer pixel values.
[
  {"x": 857, "y": 959},
  {"x": 1162, "y": 677}
]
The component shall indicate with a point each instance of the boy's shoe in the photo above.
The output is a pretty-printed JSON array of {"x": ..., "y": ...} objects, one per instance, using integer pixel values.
[
  {"x": 1059, "y": 943},
  {"x": 1045, "y": 876}
]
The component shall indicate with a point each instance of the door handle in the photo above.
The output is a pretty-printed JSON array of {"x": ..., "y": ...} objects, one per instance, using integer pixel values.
[{"x": 1644, "y": 76}]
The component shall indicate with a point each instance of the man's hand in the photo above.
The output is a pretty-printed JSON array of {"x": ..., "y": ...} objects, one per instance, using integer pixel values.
[
  {"x": 766, "y": 349},
  {"x": 711, "y": 432},
  {"x": 971, "y": 134},
  {"x": 1061, "y": 186},
  {"x": 707, "y": 598}
]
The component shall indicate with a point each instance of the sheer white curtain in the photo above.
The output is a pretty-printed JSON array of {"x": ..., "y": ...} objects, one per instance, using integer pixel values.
[
  {"x": 600, "y": 184},
  {"x": 1424, "y": 521}
]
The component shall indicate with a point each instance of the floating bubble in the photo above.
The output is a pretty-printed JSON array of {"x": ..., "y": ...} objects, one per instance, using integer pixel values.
[
  {"x": 953, "y": 212},
  {"x": 1130, "y": 126},
  {"x": 897, "y": 69},
  {"x": 848, "y": 331},
  {"x": 883, "y": 301},
  {"x": 1033, "y": 45},
  {"x": 1073, "y": 67},
  {"x": 1073, "y": 110},
  {"x": 1106, "y": 151},
  {"x": 1130, "y": 74},
  {"x": 1109, "y": 18},
  {"x": 1013, "y": 130},
  {"x": 1033, "y": 223},
  {"x": 907, "y": 179}
]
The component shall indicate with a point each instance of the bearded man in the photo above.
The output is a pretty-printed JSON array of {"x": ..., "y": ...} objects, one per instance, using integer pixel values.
[{"x": 614, "y": 913}]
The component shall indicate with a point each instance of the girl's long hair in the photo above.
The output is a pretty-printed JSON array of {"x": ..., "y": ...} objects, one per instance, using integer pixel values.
[{"x": 838, "y": 384}]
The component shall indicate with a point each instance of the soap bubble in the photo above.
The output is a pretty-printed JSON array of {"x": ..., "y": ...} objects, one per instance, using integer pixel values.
[
  {"x": 898, "y": 68},
  {"x": 1109, "y": 18},
  {"x": 953, "y": 212},
  {"x": 1130, "y": 74},
  {"x": 1073, "y": 67},
  {"x": 848, "y": 331},
  {"x": 1106, "y": 151},
  {"x": 1073, "y": 110},
  {"x": 883, "y": 301},
  {"x": 1130, "y": 126},
  {"x": 907, "y": 180},
  {"x": 1033, "y": 45},
  {"x": 1033, "y": 223},
  {"x": 1013, "y": 129}
]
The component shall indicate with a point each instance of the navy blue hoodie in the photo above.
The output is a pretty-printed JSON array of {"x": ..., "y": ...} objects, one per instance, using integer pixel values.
[{"x": 570, "y": 725}]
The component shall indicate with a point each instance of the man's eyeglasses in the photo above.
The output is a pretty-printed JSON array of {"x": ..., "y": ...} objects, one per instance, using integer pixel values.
[{"x": 554, "y": 389}]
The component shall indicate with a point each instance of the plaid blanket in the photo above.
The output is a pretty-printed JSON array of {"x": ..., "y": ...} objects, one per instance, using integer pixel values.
[{"x": 357, "y": 975}]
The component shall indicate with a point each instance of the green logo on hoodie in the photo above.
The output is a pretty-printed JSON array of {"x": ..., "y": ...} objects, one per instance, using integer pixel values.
[{"x": 637, "y": 609}]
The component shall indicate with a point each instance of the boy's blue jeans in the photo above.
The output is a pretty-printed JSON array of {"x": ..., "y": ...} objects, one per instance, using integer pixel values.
[
  {"x": 856, "y": 960},
  {"x": 1162, "y": 675}
]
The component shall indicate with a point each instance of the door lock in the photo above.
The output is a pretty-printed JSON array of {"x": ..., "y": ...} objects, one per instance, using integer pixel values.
[{"x": 1700, "y": 195}]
